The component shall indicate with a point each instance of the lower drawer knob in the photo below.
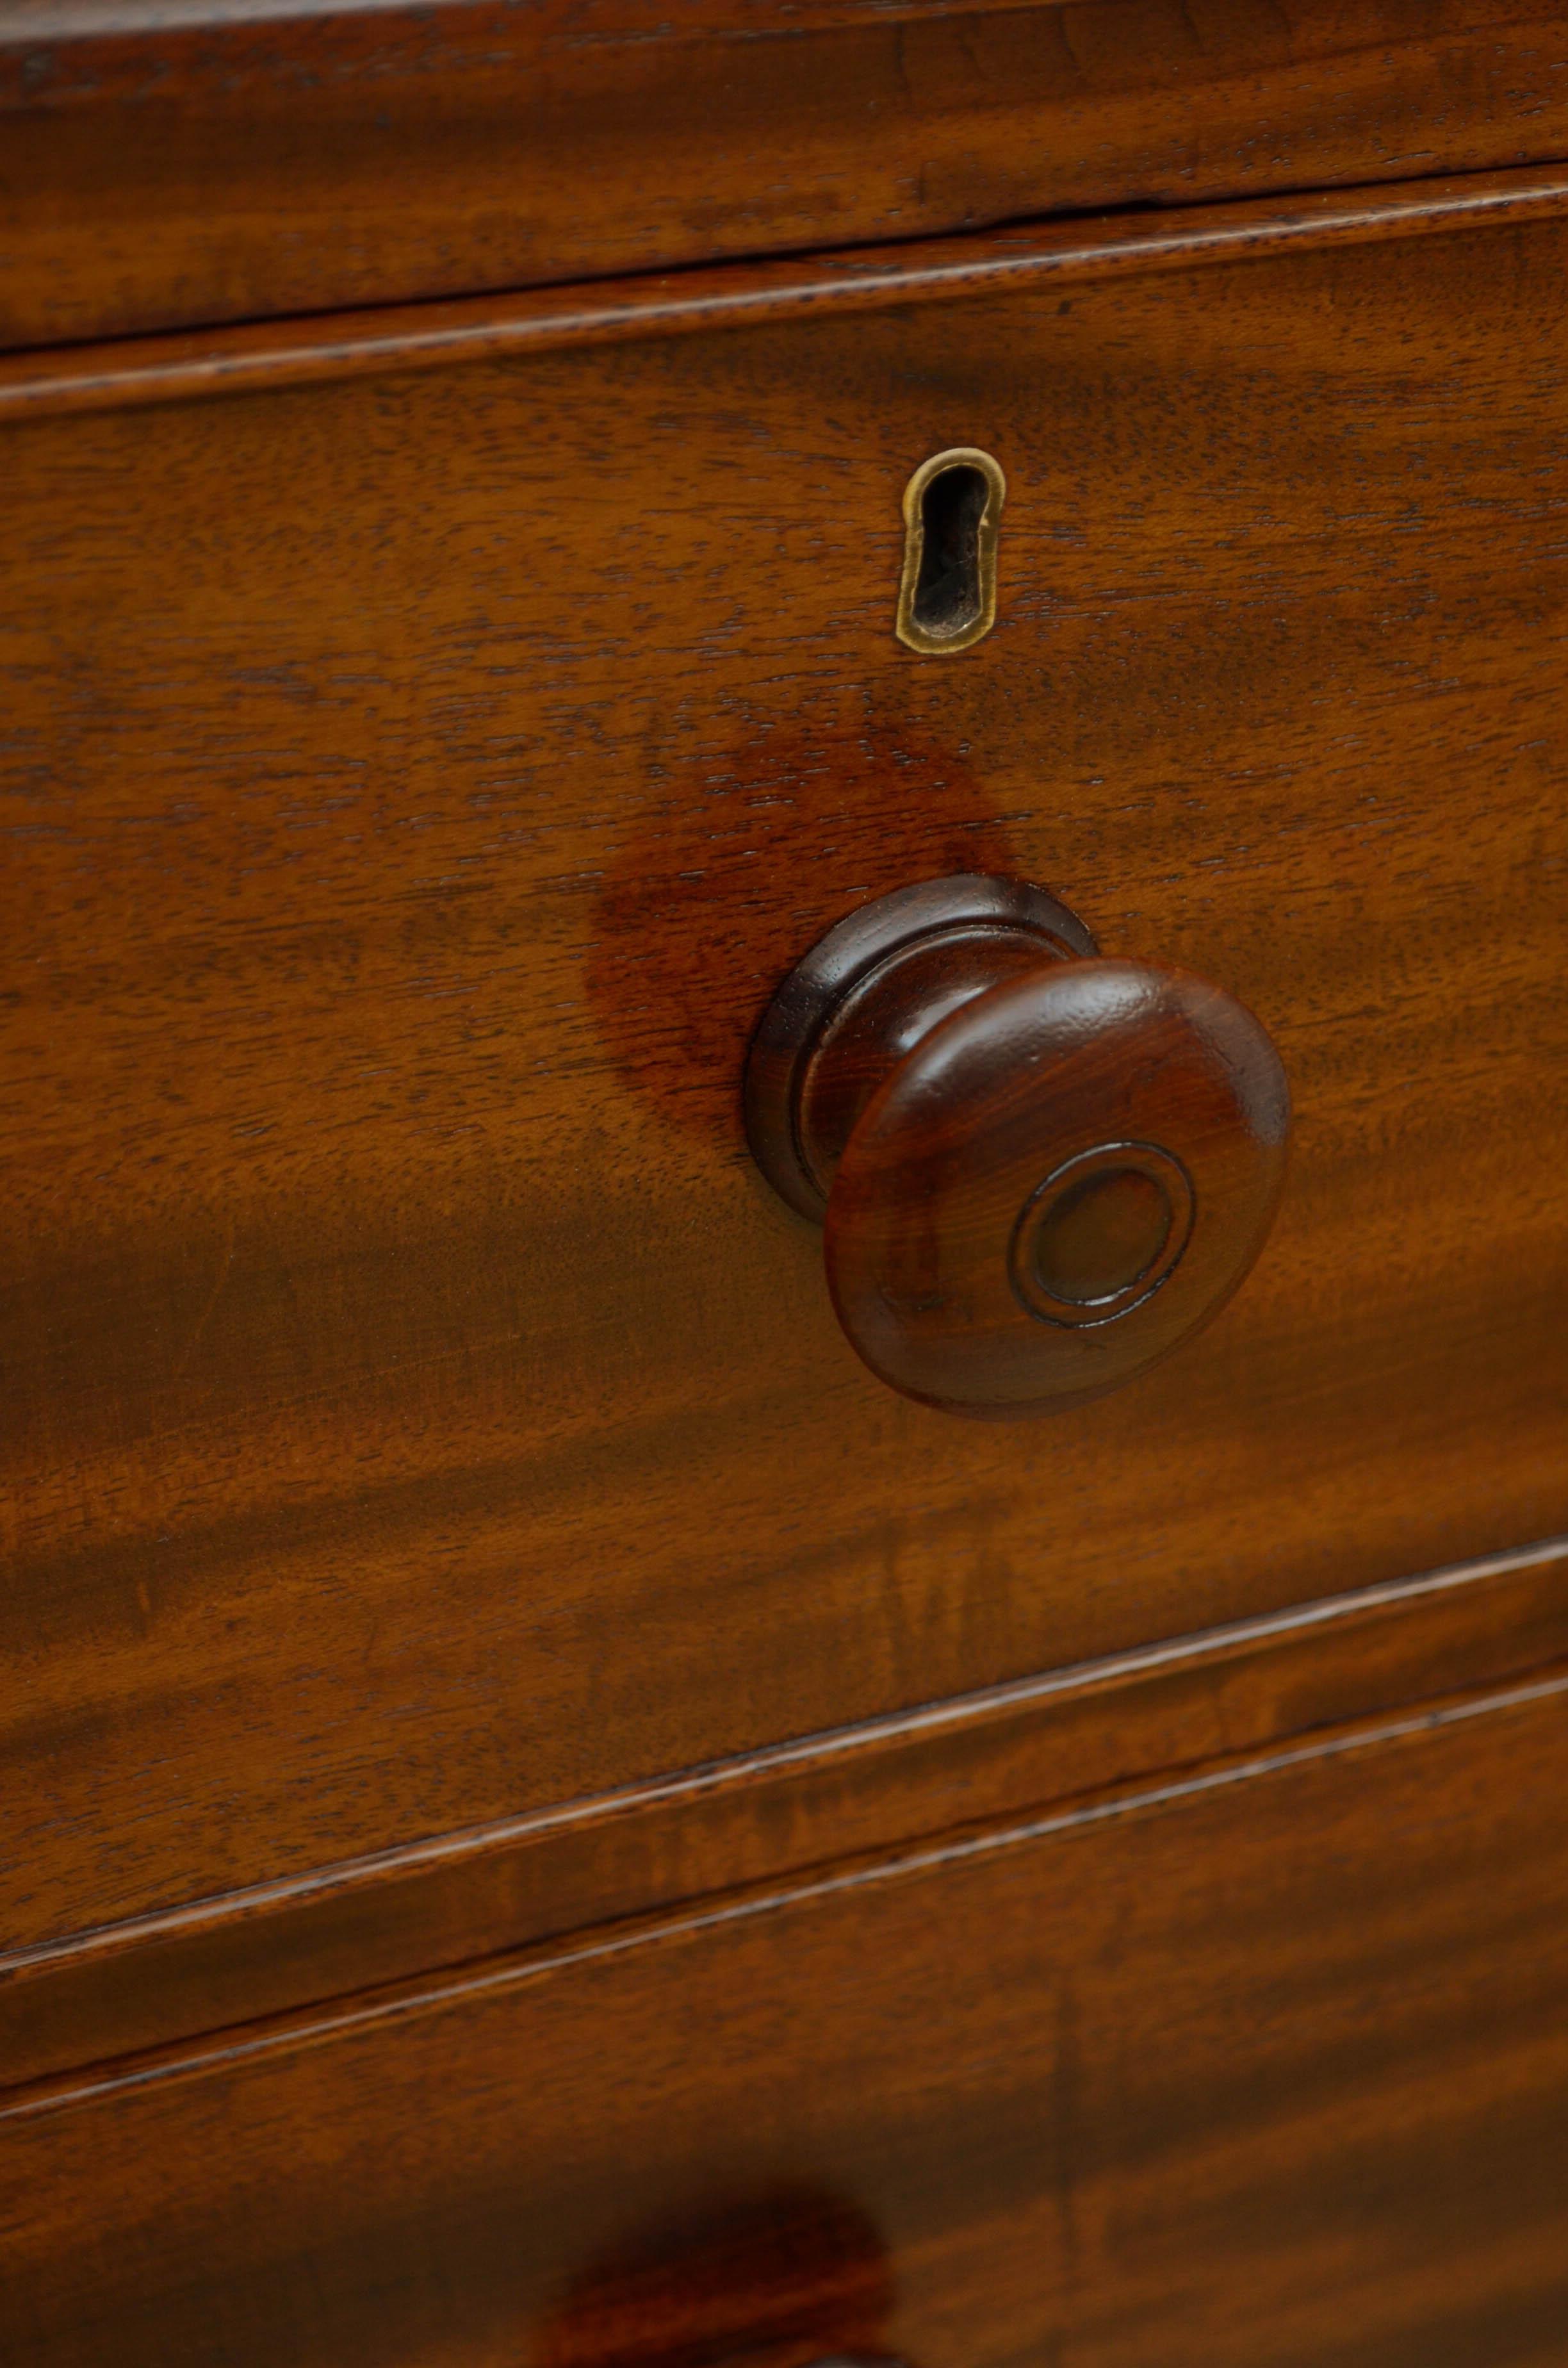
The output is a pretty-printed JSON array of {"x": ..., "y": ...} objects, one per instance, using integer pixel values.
[{"x": 1038, "y": 1170}]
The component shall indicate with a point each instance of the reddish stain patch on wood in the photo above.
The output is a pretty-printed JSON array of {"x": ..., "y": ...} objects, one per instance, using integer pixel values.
[
  {"x": 749, "y": 855},
  {"x": 784, "y": 2278}
]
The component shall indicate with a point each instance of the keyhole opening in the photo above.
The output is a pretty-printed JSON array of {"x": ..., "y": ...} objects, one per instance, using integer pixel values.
[
  {"x": 952, "y": 508},
  {"x": 946, "y": 592}
]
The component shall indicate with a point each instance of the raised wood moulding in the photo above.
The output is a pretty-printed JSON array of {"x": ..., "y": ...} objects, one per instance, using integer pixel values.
[
  {"x": 394, "y": 2007},
  {"x": 180, "y": 368},
  {"x": 168, "y": 162},
  {"x": 1175, "y": 1706},
  {"x": 1272, "y": 2054}
]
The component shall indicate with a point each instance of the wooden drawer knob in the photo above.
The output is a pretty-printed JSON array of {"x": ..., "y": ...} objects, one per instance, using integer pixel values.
[{"x": 1039, "y": 1171}]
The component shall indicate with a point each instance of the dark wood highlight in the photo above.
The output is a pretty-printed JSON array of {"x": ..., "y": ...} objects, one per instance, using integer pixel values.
[
  {"x": 164, "y": 164},
  {"x": 1274, "y": 2055}
]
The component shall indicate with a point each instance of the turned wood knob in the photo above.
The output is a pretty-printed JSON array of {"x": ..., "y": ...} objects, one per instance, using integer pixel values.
[{"x": 1038, "y": 1170}]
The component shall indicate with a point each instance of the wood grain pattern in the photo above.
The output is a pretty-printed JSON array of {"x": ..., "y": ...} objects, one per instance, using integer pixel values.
[
  {"x": 1274, "y": 2057},
  {"x": 773, "y": 1814},
  {"x": 419, "y": 1411},
  {"x": 165, "y": 162},
  {"x": 379, "y": 343}
]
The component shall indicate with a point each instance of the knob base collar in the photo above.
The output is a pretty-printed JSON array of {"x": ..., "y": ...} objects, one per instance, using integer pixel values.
[{"x": 863, "y": 998}]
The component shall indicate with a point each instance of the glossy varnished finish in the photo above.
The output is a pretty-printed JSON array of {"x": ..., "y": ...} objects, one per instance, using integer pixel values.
[
  {"x": 179, "y": 161},
  {"x": 863, "y": 998},
  {"x": 1039, "y": 1174},
  {"x": 419, "y": 1411},
  {"x": 549, "y": 1819},
  {"x": 1056, "y": 1188},
  {"x": 1264, "y": 2065},
  {"x": 1258, "y": 1686},
  {"x": 393, "y": 340}
]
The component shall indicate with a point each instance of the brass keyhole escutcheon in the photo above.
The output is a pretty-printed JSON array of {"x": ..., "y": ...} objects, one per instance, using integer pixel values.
[{"x": 952, "y": 510}]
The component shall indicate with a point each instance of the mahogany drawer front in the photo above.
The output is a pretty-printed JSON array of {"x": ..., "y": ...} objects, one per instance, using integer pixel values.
[
  {"x": 420, "y": 1409},
  {"x": 1267, "y": 2067},
  {"x": 164, "y": 164}
]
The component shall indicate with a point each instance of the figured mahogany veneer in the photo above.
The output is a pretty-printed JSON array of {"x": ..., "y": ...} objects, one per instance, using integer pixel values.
[
  {"x": 1039, "y": 1172},
  {"x": 166, "y": 161},
  {"x": 419, "y": 1412},
  {"x": 550, "y": 1821},
  {"x": 1256, "y": 1688},
  {"x": 1263, "y": 2064}
]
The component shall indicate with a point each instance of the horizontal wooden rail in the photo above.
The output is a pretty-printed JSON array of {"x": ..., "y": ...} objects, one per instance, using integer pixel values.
[
  {"x": 169, "y": 163},
  {"x": 186, "y": 366},
  {"x": 1253, "y": 1686}
]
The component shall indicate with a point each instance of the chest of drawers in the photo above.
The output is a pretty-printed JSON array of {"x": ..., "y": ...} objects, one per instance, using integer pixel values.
[{"x": 550, "y": 1812}]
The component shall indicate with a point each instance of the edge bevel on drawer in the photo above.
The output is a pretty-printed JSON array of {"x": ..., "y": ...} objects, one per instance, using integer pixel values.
[{"x": 1264, "y": 2065}]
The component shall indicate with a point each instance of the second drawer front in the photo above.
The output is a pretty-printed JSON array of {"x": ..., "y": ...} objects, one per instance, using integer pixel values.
[{"x": 419, "y": 1409}]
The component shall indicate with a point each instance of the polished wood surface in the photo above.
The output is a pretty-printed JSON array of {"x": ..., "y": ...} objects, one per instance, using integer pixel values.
[
  {"x": 548, "y": 1817},
  {"x": 387, "y": 341},
  {"x": 1260, "y": 1685},
  {"x": 165, "y": 162},
  {"x": 867, "y": 992},
  {"x": 420, "y": 1412},
  {"x": 1269, "y": 2064},
  {"x": 1058, "y": 1187},
  {"x": 1039, "y": 1172}
]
